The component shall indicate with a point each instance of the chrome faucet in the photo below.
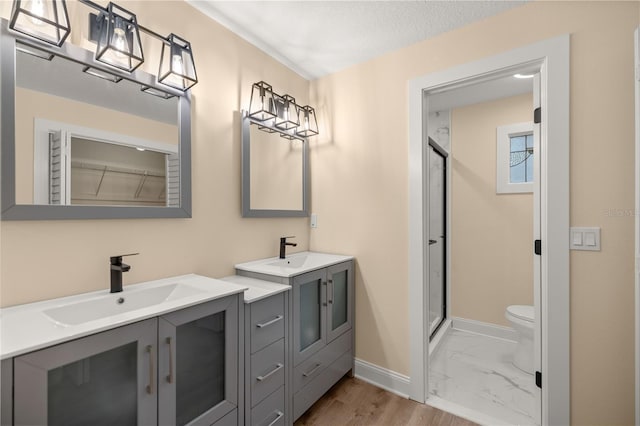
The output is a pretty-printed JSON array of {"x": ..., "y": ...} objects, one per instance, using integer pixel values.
[
  {"x": 284, "y": 244},
  {"x": 117, "y": 268}
]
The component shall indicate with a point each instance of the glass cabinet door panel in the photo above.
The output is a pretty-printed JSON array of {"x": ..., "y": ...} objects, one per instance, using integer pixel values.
[
  {"x": 198, "y": 363},
  {"x": 310, "y": 319},
  {"x": 199, "y": 366},
  {"x": 339, "y": 299},
  {"x": 107, "y": 378},
  {"x": 309, "y": 314},
  {"x": 99, "y": 390}
]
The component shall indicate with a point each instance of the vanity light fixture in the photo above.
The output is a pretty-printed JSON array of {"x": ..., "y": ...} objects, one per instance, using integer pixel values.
[
  {"x": 286, "y": 112},
  {"x": 308, "y": 123},
  {"x": 43, "y": 20},
  {"x": 155, "y": 92},
  {"x": 118, "y": 38},
  {"x": 102, "y": 74},
  {"x": 274, "y": 113},
  {"x": 262, "y": 106},
  {"x": 177, "y": 68}
]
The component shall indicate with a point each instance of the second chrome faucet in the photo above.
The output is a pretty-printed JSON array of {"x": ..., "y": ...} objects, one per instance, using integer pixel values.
[{"x": 283, "y": 246}]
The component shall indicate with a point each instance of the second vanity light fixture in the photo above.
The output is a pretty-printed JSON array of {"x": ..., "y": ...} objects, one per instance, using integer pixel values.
[
  {"x": 116, "y": 32},
  {"x": 275, "y": 113}
]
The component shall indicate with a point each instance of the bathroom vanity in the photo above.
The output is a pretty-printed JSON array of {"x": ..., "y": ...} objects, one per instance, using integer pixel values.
[
  {"x": 257, "y": 348},
  {"x": 163, "y": 352},
  {"x": 321, "y": 328}
]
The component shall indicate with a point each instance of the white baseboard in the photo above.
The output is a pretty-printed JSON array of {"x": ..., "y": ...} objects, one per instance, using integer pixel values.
[
  {"x": 479, "y": 327},
  {"x": 382, "y": 378}
]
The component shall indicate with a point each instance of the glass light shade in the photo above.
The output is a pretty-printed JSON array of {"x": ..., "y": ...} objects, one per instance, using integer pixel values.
[
  {"x": 119, "y": 39},
  {"x": 286, "y": 112},
  {"x": 262, "y": 106},
  {"x": 44, "y": 20},
  {"x": 308, "y": 123},
  {"x": 177, "y": 68}
]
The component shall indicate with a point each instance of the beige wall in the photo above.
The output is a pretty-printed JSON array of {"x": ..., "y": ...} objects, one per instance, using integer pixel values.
[
  {"x": 491, "y": 234},
  {"x": 360, "y": 182},
  {"x": 45, "y": 259}
]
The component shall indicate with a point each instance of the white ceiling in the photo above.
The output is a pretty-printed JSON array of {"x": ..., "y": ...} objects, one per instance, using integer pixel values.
[{"x": 316, "y": 38}]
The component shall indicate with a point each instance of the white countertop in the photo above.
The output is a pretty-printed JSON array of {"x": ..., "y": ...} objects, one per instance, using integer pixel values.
[
  {"x": 25, "y": 328},
  {"x": 256, "y": 289},
  {"x": 300, "y": 263}
]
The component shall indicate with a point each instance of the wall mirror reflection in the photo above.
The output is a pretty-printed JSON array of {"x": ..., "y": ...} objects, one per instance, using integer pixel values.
[
  {"x": 274, "y": 173},
  {"x": 88, "y": 142}
]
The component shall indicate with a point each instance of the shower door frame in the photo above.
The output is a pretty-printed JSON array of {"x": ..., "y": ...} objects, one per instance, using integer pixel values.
[
  {"x": 445, "y": 225},
  {"x": 552, "y": 56}
]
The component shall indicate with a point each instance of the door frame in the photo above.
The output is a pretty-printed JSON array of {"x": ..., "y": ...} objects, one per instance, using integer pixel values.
[
  {"x": 637, "y": 220},
  {"x": 552, "y": 56}
]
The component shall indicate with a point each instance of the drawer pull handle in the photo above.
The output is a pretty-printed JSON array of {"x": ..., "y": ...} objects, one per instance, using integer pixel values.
[
  {"x": 150, "y": 386},
  {"x": 313, "y": 370},
  {"x": 273, "y": 321},
  {"x": 280, "y": 414},
  {"x": 266, "y": 376}
]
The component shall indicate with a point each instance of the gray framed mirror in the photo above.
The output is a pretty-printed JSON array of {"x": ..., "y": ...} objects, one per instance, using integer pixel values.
[
  {"x": 75, "y": 146},
  {"x": 274, "y": 173}
]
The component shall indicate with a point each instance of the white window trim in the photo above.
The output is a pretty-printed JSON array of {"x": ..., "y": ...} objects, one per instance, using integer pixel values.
[{"x": 503, "y": 153}]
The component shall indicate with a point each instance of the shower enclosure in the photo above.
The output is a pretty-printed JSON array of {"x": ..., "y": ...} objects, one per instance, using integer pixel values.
[{"x": 437, "y": 236}]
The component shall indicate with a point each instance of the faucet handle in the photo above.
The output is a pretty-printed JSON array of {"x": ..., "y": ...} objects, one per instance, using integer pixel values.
[
  {"x": 119, "y": 257},
  {"x": 284, "y": 238}
]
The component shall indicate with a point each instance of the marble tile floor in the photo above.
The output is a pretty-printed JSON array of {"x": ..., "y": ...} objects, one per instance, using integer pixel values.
[{"x": 475, "y": 372}]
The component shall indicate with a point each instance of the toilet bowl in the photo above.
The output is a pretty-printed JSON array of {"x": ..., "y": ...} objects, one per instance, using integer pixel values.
[{"x": 521, "y": 319}]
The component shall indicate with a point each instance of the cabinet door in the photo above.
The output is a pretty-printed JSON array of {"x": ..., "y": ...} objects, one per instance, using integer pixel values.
[
  {"x": 198, "y": 363},
  {"x": 309, "y": 314},
  {"x": 104, "y": 379},
  {"x": 339, "y": 299}
]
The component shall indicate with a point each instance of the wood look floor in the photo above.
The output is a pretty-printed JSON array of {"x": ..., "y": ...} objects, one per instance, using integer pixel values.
[{"x": 354, "y": 402}]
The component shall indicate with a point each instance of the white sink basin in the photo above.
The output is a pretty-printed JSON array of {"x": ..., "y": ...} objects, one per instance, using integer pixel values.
[
  {"x": 293, "y": 264},
  {"x": 117, "y": 303}
]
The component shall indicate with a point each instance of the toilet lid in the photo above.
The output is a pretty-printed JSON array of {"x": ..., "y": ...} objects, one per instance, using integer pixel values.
[{"x": 524, "y": 312}]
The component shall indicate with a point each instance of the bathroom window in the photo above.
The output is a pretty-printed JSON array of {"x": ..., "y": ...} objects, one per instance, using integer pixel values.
[{"x": 515, "y": 158}]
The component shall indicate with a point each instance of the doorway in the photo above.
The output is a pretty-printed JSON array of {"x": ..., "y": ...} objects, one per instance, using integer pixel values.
[{"x": 551, "y": 57}]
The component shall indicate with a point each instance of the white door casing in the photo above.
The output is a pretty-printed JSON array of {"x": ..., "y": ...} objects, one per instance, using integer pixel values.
[{"x": 552, "y": 56}]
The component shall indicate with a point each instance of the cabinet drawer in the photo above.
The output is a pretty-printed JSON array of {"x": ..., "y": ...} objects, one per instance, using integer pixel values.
[
  {"x": 307, "y": 370},
  {"x": 267, "y": 322},
  {"x": 267, "y": 371},
  {"x": 269, "y": 412}
]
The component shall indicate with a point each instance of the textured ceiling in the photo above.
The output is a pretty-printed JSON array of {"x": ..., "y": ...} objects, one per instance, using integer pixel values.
[{"x": 316, "y": 38}]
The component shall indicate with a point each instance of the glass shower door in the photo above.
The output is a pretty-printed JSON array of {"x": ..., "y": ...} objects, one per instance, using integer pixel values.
[{"x": 437, "y": 237}]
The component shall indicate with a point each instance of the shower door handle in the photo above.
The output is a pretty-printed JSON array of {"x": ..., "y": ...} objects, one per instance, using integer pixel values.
[{"x": 432, "y": 242}]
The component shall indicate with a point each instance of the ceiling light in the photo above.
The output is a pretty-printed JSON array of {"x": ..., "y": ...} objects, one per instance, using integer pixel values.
[
  {"x": 523, "y": 75},
  {"x": 44, "y": 20}
]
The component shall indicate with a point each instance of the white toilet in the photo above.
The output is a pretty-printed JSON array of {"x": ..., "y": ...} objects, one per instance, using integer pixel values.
[{"x": 521, "y": 319}]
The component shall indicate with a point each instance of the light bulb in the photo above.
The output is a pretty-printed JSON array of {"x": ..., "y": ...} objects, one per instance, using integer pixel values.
[
  {"x": 120, "y": 42},
  {"x": 176, "y": 65},
  {"x": 37, "y": 8}
]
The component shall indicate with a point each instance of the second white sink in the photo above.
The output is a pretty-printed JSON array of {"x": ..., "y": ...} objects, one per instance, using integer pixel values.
[
  {"x": 117, "y": 303},
  {"x": 293, "y": 264}
]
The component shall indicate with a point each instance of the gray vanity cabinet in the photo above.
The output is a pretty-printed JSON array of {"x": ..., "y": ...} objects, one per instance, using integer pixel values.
[
  {"x": 321, "y": 327},
  {"x": 177, "y": 369},
  {"x": 266, "y": 360}
]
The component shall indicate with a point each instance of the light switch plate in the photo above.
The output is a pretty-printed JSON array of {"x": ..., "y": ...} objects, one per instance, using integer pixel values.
[
  {"x": 314, "y": 220},
  {"x": 582, "y": 238}
]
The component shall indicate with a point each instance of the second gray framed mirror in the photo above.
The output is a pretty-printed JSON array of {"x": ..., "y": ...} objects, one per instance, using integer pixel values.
[{"x": 274, "y": 173}]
